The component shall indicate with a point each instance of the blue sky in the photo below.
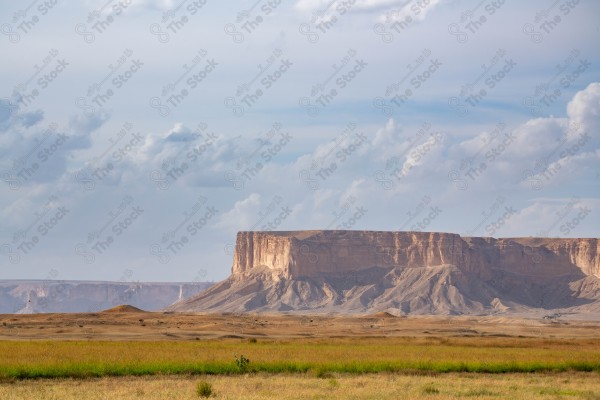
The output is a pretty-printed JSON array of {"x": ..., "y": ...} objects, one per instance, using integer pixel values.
[{"x": 137, "y": 137}]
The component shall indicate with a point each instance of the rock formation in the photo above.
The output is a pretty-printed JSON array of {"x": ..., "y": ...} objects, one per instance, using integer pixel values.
[{"x": 405, "y": 273}]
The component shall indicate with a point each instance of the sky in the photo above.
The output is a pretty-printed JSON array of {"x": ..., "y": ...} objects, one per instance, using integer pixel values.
[{"x": 137, "y": 137}]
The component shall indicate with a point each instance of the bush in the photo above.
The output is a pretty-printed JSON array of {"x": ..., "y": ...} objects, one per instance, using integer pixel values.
[
  {"x": 242, "y": 363},
  {"x": 430, "y": 389},
  {"x": 323, "y": 374},
  {"x": 204, "y": 389}
]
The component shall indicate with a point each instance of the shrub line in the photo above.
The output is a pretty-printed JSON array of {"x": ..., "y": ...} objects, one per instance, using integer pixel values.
[{"x": 83, "y": 370}]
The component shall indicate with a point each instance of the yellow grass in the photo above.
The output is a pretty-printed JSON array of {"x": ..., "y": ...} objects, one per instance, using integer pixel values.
[
  {"x": 263, "y": 386},
  {"x": 99, "y": 358}
]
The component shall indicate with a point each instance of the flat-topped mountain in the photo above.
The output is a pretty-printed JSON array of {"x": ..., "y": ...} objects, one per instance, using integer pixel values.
[{"x": 405, "y": 273}]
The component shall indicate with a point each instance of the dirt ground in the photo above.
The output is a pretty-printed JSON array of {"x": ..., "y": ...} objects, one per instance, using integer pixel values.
[{"x": 175, "y": 326}]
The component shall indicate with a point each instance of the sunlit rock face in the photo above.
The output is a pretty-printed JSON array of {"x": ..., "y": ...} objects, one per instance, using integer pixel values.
[
  {"x": 406, "y": 273},
  {"x": 314, "y": 253}
]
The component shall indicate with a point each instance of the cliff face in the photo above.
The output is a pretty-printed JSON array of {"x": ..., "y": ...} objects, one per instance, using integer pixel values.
[
  {"x": 406, "y": 273},
  {"x": 314, "y": 253},
  {"x": 584, "y": 253}
]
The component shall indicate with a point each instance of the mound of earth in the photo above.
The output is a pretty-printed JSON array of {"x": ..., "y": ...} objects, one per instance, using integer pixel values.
[
  {"x": 124, "y": 308},
  {"x": 383, "y": 314}
]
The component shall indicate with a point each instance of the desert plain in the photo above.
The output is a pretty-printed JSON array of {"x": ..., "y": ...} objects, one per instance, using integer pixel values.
[{"x": 127, "y": 353}]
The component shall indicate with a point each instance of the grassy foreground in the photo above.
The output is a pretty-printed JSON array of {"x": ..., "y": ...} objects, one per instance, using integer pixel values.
[
  {"x": 570, "y": 385},
  {"x": 60, "y": 359}
]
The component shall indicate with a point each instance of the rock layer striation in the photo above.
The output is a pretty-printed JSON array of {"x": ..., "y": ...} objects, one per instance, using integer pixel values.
[{"x": 405, "y": 273}]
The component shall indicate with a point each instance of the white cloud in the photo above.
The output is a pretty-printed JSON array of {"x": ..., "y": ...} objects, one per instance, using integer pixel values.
[
  {"x": 242, "y": 215},
  {"x": 547, "y": 147},
  {"x": 409, "y": 11},
  {"x": 584, "y": 108}
]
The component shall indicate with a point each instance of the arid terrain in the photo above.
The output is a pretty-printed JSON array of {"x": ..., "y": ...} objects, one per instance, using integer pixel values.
[
  {"x": 129, "y": 353},
  {"x": 337, "y": 315},
  {"x": 374, "y": 387},
  {"x": 139, "y": 325}
]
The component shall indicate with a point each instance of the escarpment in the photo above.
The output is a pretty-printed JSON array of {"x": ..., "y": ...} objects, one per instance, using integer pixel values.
[{"x": 405, "y": 272}]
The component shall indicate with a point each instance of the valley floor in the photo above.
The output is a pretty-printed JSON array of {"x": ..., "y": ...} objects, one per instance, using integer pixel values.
[
  {"x": 187, "y": 326},
  {"x": 130, "y": 355}
]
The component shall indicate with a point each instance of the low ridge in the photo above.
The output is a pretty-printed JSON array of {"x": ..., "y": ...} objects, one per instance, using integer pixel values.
[{"x": 123, "y": 308}]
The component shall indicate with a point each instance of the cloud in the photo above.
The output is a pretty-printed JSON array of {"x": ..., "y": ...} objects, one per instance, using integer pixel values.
[
  {"x": 34, "y": 151},
  {"x": 584, "y": 108},
  {"x": 396, "y": 173},
  {"x": 315, "y": 5},
  {"x": 545, "y": 151},
  {"x": 11, "y": 117},
  {"x": 180, "y": 133},
  {"x": 242, "y": 215},
  {"x": 409, "y": 12},
  {"x": 554, "y": 217}
]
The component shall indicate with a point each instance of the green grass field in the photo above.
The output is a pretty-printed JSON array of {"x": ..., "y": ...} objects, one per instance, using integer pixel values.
[{"x": 59, "y": 359}]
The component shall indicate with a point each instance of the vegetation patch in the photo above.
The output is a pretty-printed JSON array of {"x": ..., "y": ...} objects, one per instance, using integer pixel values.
[{"x": 322, "y": 358}]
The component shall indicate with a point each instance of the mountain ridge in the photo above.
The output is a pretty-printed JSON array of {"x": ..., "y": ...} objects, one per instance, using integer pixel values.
[
  {"x": 405, "y": 273},
  {"x": 29, "y": 296}
]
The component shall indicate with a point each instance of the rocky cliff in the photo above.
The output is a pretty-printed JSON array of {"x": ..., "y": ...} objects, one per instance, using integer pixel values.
[
  {"x": 314, "y": 253},
  {"x": 405, "y": 272}
]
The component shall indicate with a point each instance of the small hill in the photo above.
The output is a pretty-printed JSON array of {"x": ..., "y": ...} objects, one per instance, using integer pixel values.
[
  {"x": 383, "y": 314},
  {"x": 124, "y": 308}
]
